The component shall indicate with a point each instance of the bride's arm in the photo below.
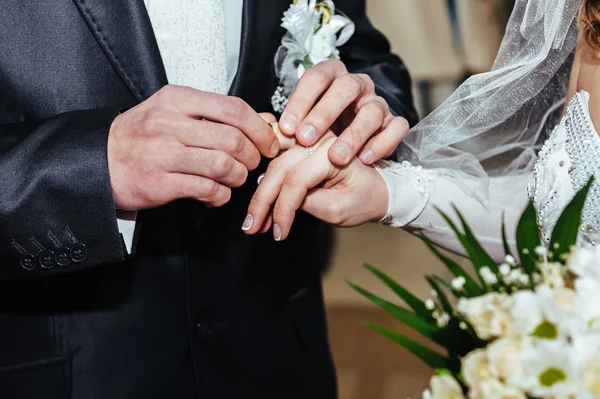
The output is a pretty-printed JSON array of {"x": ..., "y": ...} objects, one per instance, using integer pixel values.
[
  {"x": 415, "y": 195},
  {"x": 355, "y": 194}
]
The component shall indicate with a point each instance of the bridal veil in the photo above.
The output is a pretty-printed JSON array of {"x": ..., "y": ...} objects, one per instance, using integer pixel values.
[{"x": 495, "y": 122}]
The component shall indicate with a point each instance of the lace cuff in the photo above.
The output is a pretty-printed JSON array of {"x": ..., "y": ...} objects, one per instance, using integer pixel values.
[{"x": 409, "y": 189}]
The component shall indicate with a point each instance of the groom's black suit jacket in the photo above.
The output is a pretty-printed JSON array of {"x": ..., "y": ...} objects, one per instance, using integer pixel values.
[{"x": 200, "y": 310}]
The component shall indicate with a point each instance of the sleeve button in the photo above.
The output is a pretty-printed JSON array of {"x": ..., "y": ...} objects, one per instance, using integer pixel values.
[
  {"x": 62, "y": 257},
  {"x": 27, "y": 262},
  {"x": 46, "y": 259},
  {"x": 79, "y": 253}
]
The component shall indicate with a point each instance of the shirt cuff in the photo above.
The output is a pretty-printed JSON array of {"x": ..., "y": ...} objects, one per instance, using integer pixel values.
[
  {"x": 126, "y": 221},
  {"x": 409, "y": 189}
]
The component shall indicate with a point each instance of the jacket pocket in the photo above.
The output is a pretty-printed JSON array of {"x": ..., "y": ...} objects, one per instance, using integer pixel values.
[{"x": 44, "y": 379}]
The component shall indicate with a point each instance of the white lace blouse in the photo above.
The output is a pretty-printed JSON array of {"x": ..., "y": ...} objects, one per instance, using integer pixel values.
[{"x": 570, "y": 156}]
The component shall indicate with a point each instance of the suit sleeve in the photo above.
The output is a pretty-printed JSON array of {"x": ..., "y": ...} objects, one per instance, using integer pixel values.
[
  {"x": 57, "y": 214},
  {"x": 368, "y": 51}
]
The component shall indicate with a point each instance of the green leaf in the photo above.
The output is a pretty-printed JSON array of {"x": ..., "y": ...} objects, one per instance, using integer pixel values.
[
  {"x": 411, "y": 300},
  {"x": 477, "y": 251},
  {"x": 528, "y": 238},
  {"x": 430, "y": 357},
  {"x": 466, "y": 245},
  {"x": 422, "y": 326},
  {"x": 471, "y": 286},
  {"x": 564, "y": 235},
  {"x": 507, "y": 250}
]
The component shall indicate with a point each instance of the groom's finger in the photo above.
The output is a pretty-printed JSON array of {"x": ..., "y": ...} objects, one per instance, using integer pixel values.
[
  {"x": 343, "y": 91},
  {"x": 215, "y": 165},
  {"x": 309, "y": 89},
  {"x": 216, "y": 136},
  {"x": 385, "y": 143},
  {"x": 369, "y": 120},
  {"x": 229, "y": 110},
  {"x": 305, "y": 176}
]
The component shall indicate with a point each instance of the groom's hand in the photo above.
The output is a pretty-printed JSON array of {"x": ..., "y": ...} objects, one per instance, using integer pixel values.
[
  {"x": 185, "y": 143},
  {"x": 328, "y": 97}
]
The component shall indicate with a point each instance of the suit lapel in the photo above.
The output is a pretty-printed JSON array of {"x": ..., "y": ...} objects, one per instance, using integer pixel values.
[
  {"x": 261, "y": 36},
  {"x": 245, "y": 43},
  {"x": 123, "y": 30}
]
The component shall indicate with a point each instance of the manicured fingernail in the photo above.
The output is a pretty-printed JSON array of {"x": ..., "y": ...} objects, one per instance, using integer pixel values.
[
  {"x": 342, "y": 149},
  {"x": 260, "y": 179},
  {"x": 368, "y": 157},
  {"x": 308, "y": 133},
  {"x": 248, "y": 222},
  {"x": 289, "y": 123},
  {"x": 277, "y": 232}
]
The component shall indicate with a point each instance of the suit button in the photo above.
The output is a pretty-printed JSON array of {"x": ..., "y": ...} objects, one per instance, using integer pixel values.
[
  {"x": 27, "y": 262},
  {"x": 46, "y": 259},
  {"x": 62, "y": 256},
  {"x": 79, "y": 253}
]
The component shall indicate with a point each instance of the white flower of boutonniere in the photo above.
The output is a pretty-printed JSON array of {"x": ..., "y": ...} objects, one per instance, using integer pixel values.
[{"x": 314, "y": 33}]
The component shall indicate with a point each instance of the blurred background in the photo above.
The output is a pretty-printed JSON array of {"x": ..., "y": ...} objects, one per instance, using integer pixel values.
[{"x": 442, "y": 42}]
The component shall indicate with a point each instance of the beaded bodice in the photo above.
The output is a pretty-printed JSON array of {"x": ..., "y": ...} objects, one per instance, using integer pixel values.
[{"x": 570, "y": 156}]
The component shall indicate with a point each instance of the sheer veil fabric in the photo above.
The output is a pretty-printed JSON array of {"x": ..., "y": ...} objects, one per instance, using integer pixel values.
[{"x": 495, "y": 122}]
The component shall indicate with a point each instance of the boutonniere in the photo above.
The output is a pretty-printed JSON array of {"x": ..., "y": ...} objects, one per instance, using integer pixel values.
[{"x": 314, "y": 33}]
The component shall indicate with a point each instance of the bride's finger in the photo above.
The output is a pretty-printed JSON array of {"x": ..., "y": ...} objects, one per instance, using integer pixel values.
[
  {"x": 269, "y": 188},
  {"x": 266, "y": 225},
  {"x": 285, "y": 142},
  {"x": 308, "y": 174},
  {"x": 269, "y": 118}
]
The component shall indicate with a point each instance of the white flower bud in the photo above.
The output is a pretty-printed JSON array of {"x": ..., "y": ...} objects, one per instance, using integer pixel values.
[
  {"x": 510, "y": 260},
  {"x": 487, "y": 275},
  {"x": 459, "y": 283},
  {"x": 504, "y": 269},
  {"x": 443, "y": 320},
  {"x": 429, "y": 304},
  {"x": 515, "y": 274},
  {"x": 524, "y": 279}
]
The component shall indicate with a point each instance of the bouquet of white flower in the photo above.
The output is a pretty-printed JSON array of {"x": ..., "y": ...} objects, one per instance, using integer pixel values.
[{"x": 528, "y": 329}]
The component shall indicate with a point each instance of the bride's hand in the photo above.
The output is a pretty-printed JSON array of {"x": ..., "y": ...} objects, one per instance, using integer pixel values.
[{"x": 342, "y": 196}]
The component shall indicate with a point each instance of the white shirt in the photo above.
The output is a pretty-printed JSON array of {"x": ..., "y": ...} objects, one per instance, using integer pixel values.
[{"x": 233, "y": 23}]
